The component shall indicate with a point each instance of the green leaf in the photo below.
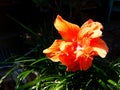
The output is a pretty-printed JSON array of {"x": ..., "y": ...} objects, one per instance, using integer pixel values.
[
  {"x": 38, "y": 60},
  {"x": 27, "y": 60},
  {"x": 8, "y": 73},
  {"x": 112, "y": 82},
  {"x": 102, "y": 83},
  {"x": 24, "y": 74},
  {"x": 29, "y": 84},
  {"x": 59, "y": 85},
  {"x": 21, "y": 24}
]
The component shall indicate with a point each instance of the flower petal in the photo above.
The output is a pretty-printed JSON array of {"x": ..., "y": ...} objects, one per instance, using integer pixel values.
[
  {"x": 67, "y": 30},
  {"x": 99, "y": 46},
  {"x": 85, "y": 62},
  {"x": 73, "y": 67},
  {"x": 67, "y": 55},
  {"x": 90, "y": 29},
  {"x": 64, "y": 45},
  {"x": 69, "y": 61},
  {"x": 53, "y": 51}
]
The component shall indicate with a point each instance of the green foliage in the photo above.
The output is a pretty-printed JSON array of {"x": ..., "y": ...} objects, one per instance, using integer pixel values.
[{"x": 53, "y": 76}]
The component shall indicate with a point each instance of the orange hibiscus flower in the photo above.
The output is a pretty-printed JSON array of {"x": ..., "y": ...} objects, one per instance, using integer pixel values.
[{"x": 79, "y": 44}]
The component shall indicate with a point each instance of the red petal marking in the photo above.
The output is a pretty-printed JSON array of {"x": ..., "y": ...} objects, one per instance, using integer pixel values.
[
  {"x": 85, "y": 62},
  {"x": 90, "y": 29}
]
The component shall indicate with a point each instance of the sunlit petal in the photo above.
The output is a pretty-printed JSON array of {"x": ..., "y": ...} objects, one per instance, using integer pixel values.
[
  {"x": 90, "y": 29},
  {"x": 67, "y": 30},
  {"x": 53, "y": 51},
  {"x": 101, "y": 52},
  {"x": 64, "y": 45},
  {"x": 99, "y": 46}
]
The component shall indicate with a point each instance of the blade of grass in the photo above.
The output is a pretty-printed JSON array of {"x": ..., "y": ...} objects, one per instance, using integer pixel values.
[
  {"x": 42, "y": 59},
  {"x": 29, "y": 84},
  {"x": 24, "y": 74},
  {"x": 8, "y": 73},
  {"x": 102, "y": 83},
  {"x": 29, "y": 60},
  {"x": 60, "y": 85},
  {"x": 112, "y": 82},
  {"x": 21, "y": 24}
]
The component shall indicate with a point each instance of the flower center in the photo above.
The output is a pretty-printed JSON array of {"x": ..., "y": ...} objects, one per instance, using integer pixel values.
[{"x": 79, "y": 48}]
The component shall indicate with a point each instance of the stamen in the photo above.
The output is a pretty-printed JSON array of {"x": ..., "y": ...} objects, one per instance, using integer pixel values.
[{"x": 79, "y": 48}]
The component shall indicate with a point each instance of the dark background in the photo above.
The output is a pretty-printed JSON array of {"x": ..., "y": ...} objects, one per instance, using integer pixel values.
[{"x": 34, "y": 14}]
